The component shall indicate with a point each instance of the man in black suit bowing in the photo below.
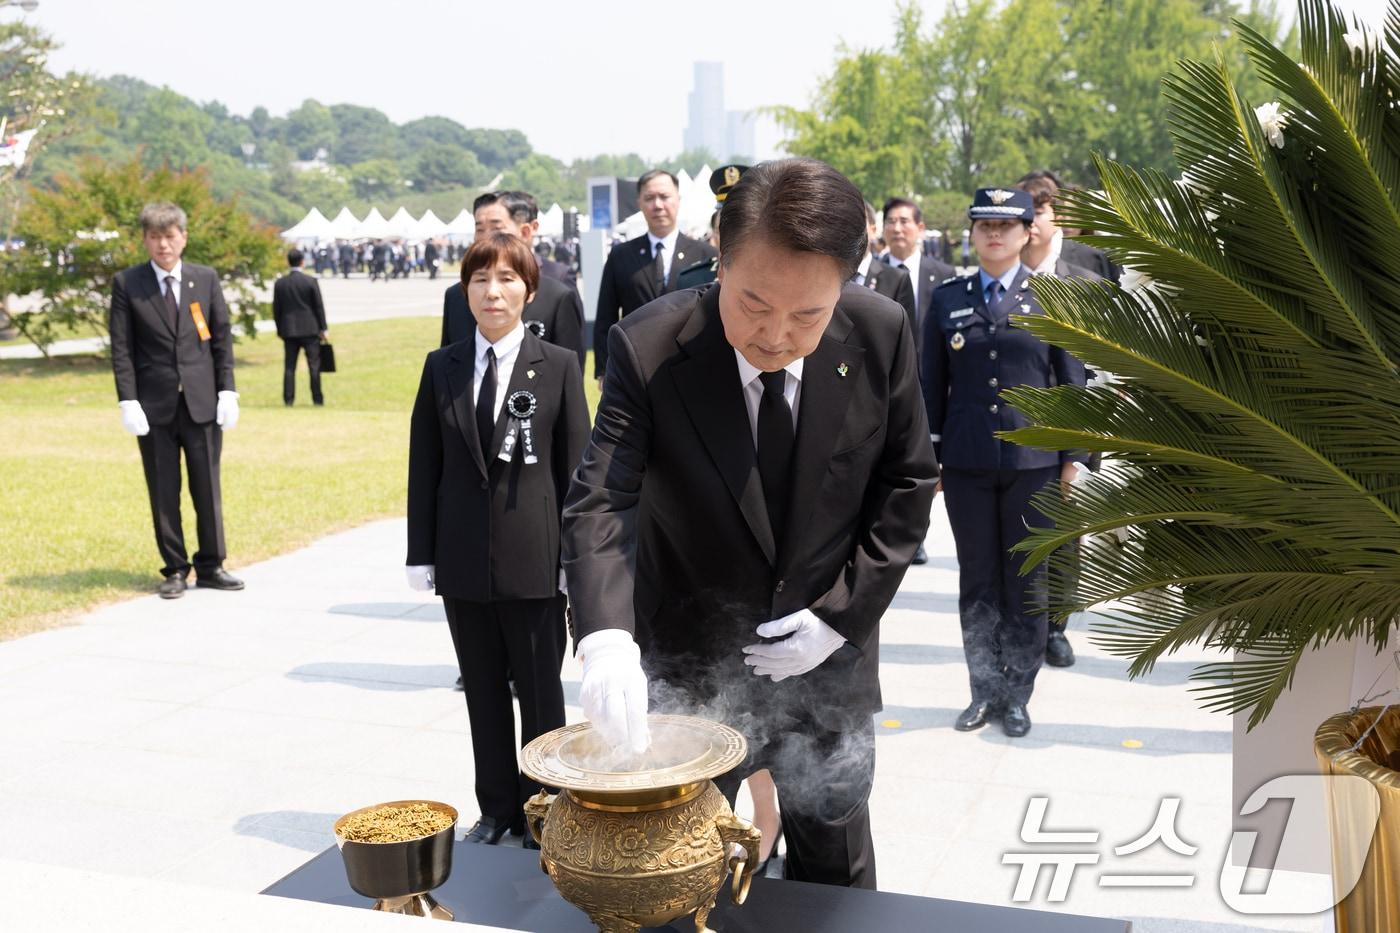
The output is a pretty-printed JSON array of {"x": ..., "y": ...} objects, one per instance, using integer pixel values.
[
  {"x": 300, "y": 316},
  {"x": 759, "y": 475},
  {"x": 172, "y": 355},
  {"x": 555, "y": 314},
  {"x": 647, "y": 267}
]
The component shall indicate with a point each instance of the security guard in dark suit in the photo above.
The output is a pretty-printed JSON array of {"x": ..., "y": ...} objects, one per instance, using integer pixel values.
[
  {"x": 707, "y": 270},
  {"x": 300, "y": 316},
  {"x": 645, "y": 267},
  {"x": 972, "y": 349}
]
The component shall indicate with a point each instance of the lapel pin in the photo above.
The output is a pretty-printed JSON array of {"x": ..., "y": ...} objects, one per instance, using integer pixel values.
[
  {"x": 680, "y": 255},
  {"x": 958, "y": 340},
  {"x": 1025, "y": 309},
  {"x": 530, "y": 374},
  {"x": 842, "y": 370}
]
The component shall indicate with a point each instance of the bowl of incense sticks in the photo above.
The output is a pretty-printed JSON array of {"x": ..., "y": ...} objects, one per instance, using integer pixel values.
[{"x": 397, "y": 852}]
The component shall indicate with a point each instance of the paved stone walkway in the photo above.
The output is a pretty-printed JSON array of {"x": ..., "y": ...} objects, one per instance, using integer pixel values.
[{"x": 210, "y": 742}]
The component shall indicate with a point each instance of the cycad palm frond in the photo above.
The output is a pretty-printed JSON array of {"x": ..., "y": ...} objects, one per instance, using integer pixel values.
[{"x": 1254, "y": 428}]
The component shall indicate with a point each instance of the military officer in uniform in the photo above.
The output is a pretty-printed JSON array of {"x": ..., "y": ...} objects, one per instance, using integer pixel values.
[
  {"x": 972, "y": 349},
  {"x": 706, "y": 271}
]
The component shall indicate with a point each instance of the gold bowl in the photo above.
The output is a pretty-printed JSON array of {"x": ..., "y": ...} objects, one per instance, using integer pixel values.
[
  {"x": 399, "y": 875},
  {"x": 640, "y": 842}
]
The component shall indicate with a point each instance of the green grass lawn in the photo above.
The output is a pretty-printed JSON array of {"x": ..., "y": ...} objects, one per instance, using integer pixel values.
[{"x": 75, "y": 523}]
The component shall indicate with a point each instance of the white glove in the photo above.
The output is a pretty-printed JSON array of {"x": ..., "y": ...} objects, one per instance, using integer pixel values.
[
  {"x": 810, "y": 641},
  {"x": 563, "y": 582},
  {"x": 134, "y": 418},
  {"x": 614, "y": 690},
  {"x": 421, "y": 578},
  {"x": 226, "y": 413}
]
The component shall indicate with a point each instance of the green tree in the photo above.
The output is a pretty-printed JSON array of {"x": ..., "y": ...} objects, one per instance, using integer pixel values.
[
  {"x": 439, "y": 166},
  {"x": 542, "y": 176},
  {"x": 870, "y": 118},
  {"x": 362, "y": 133},
  {"x": 310, "y": 128},
  {"x": 498, "y": 149},
  {"x": 377, "y": 179},
  {"x": 1250, "y": 501},
  {"x": 172, "y": 130},
  {"x": 78, "y": 236},
  {"x": 417, "y": 134}
]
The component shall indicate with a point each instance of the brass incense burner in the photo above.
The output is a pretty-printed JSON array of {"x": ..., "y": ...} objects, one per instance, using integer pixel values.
[{"x": 639, "y": 843}]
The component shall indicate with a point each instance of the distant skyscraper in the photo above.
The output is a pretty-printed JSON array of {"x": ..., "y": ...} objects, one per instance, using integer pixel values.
[{"x": 707, "y": 128}]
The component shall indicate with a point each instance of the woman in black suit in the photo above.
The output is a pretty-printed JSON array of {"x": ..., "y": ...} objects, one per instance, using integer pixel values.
[{"x": 499, "y": 424}]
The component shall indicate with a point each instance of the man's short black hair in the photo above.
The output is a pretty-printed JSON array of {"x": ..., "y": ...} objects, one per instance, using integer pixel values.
[
  {"x": 521, "y": 206},
  {"x": 797, "y": 204},
  {"x": 893, "y": 203},
  {"x": 654, "y": 174},
  {"x": 1040, "y": 174},
  {"x": 295, "y": 258}
]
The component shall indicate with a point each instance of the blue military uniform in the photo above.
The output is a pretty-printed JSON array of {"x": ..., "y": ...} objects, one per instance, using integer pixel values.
[{"x": 972, "y": 350}]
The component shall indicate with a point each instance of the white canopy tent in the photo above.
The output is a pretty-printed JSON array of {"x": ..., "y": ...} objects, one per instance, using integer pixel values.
[
  {"x": 430, "y": 226},
  {"x": 374, "y": 226},
  {"x": 463, "y": 225},
  {"x": 552, "y": 221},
  {"x": 314, "y": 226},
  {"x": 345, "y": 226},
  {"x": 402, "y": 225}
]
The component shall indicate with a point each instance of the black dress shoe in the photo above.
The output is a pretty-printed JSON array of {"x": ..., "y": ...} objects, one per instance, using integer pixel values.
[
  {"x": 1016, "y": 722},
  {"x": 1058, "y": 651},
  {"x": 977, "y": 715},
  {"x": 921, "y": 556},
  {"x": 459, "y": 684},
  {"x": 173, "y": 586},
  {"x": 488, "y": 831},
  {"x": 220, "y": 579}
]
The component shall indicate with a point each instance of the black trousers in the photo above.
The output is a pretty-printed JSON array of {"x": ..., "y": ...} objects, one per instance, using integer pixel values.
[
  {"x": 291, "y": 348},
  {"x": 160, "y": 458},
  {"x": 1004, "y": 622},
  {"x": 525, "y": 637},
  {"x": 824, "y": 781}
]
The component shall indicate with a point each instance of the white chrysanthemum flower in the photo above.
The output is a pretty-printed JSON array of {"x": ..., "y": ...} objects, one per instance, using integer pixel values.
[
  {"x": 1272, "y": 120},
  {"x": 1361, "y": 40}
]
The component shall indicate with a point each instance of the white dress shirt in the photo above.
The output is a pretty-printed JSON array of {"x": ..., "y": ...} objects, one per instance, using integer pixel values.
[
  {"x": 1047, "y": 265},
  {"x": 753, "y": 390},
  {"x": 670, "y": 254},
  {"x": 507, "y": 349},
  {"x": 912, "y": 264},
  {"x": 161, "y": 274},
  {"x": 863, "y": 270}
]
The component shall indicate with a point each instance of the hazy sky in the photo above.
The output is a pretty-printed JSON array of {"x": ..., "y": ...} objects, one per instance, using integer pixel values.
[{"x": 578, "y": 77}]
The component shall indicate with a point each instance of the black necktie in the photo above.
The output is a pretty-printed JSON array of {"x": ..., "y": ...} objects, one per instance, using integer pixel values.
[
  {"x": 774, "y": 448},
  {"x": 486, "y": 405},
  {"x": 172, "y": 304},
  {"x": 658, "y": 268}
]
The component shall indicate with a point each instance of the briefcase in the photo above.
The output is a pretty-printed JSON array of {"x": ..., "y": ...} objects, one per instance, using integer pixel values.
[{"x": 327, "y": 358}]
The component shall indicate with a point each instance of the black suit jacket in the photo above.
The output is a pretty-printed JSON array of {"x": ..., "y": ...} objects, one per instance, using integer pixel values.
[
  {"x": 893, "y": 282},
  {"x": 552, "y": 269},
  {"x": 555, "y": 315},
  {"x": 491, "y": 528},
  {"x": 296, "y": 306},
  {"x": 627, "y": 283},
  {"x": 158, "y": 366},
  {"x": 971, "y": 353},
  {"x": 1088, "y": 257},
  {"x": 932, "y": 273},
  {"x": 666, "y": 533}
]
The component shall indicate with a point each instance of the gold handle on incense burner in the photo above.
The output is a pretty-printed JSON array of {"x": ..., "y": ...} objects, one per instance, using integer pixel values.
[
  {"x": 736, "y": 830},
  {"x": 536, "y": 808}
]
